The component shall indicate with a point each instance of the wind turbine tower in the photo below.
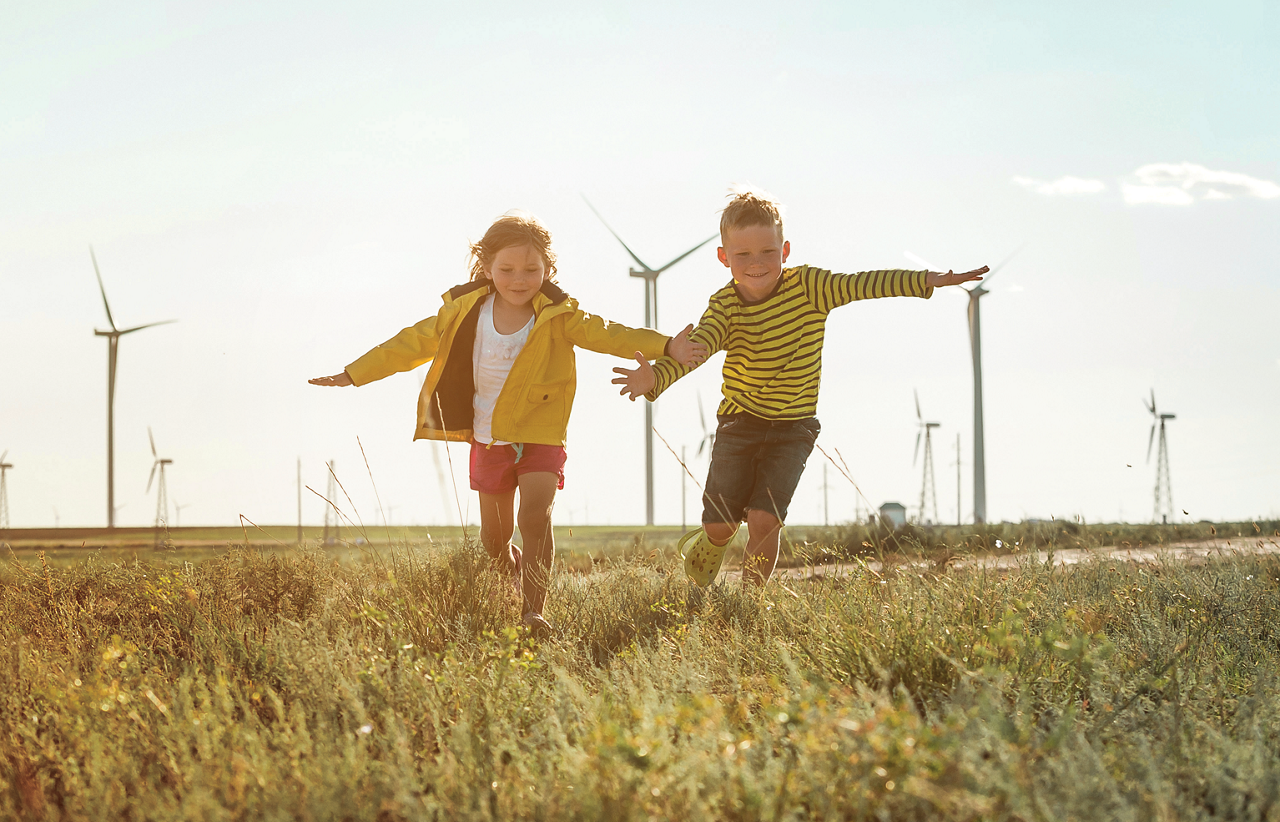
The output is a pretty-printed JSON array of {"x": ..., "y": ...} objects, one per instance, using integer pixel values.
[
  {"x": 1164, "y": 488},
  {"x": 650, "y": 277},
  {"x": 113, "y": 344},
  {"x": 928, "y": 487},
  {"x": 162, "y": 492},
  {"x": 4, "y": 491},
  {"x": 975, "y": 344}
]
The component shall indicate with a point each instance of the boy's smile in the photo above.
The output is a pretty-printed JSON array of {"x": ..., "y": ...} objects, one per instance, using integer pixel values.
[
  {"x": 754, "y": 254},
  {"x": 517, "y": 273}
]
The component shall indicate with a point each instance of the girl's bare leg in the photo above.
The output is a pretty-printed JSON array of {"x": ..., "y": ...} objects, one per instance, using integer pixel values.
[
  {"x": 537, "y": 499},
  {"x": 497, "y": 524},
  {"x": 764, "y": 532}
]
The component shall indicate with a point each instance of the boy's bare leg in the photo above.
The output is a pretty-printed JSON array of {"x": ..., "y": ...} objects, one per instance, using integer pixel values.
[
  {"x": 497, "y": 524},
  {"x": 720, "y": 532},
  {"x": 764, "y": 532},
  {"x": 537, "y": 499}
]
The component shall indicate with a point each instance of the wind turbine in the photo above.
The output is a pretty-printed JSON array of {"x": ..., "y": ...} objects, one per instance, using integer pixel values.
[
  {"x": 650, "y": 277},
  {"x": 708, "y": 441},
  {"x": 928, "y": 487},
  {"x": 4, "y": 491},
  {"x": 113, "y": 344},
  {"x": 162, "y": 495},
  {"x": 1164, "y": 488},
  {"x": 975, "y": 345}
]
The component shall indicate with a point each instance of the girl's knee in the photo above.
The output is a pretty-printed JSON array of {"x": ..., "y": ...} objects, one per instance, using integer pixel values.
[{"x": 535, "y": 525}]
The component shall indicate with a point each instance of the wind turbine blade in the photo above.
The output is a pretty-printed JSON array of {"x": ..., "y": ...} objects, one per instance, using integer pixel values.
[
  {"x": 687, "y": 253},
  {"x": 1153, "y": 402},
  {"x": 921, "y": 261},
  {"x": 639, "y": 261},
  {"x": 1150, "y": 440},
  {"x": 917, "y": 395},
  {"x": 154, "y": 466},
  {"x": 5, "y": 454},
  {"x": 987, "y": 277},
  {"x": 98, "y": 274},
  {"x": 702, "y": 418},
  {"x": 917, "y": 453},
  {"x": 148, "y": 325},
  {"x": 153, "y": 443}
]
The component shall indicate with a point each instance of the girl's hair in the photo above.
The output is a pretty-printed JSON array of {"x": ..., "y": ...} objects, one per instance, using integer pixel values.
[
  {"x": 514, "y": 228},
  {"x": 750, "y": 206}
]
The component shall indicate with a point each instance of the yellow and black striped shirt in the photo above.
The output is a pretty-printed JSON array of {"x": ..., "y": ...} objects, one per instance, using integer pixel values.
[{"x": 773, "y": 348}]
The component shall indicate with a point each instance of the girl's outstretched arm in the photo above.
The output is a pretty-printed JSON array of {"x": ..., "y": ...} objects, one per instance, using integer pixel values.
[{"x": 337, "y": 379}]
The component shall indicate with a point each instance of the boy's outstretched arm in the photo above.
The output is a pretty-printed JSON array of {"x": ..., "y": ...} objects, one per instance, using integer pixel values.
[
  {"x": 337, "y": 379},
  {"x": 936, "y": 279},
  {"x": 638, "y": 381}
]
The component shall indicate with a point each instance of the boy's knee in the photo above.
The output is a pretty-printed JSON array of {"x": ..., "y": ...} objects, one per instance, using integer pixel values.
[
  {"x": 720, "y": 532},
  {"x": 761, "y": 522}
]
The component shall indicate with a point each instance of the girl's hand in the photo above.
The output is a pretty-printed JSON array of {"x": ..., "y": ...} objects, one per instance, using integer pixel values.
[
  {"x": 636, "y": 381},
  {"x": 937, "y": 279},
  {"x": 685, "y": 351},
  {"x": 337, "y": 379}
]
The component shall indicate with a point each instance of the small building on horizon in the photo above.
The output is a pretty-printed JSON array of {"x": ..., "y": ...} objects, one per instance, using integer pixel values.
[{"x": 893, "y": 514}]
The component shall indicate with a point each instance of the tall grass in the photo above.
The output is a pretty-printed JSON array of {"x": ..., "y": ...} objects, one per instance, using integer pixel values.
[{"x": 292, "y": 687}]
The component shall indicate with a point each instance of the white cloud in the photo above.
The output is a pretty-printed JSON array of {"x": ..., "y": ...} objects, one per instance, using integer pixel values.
[
  {"x": 1184, "y": 183},
  {"x": 1160, "y": 195},
  {"x": 1062, "y": 186}
]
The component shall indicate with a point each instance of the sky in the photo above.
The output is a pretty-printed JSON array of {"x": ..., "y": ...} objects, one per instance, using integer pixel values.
[{"x": 295, "y": 182}]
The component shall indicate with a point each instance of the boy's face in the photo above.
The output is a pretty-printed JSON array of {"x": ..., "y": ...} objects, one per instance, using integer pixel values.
[
  {"x": 517, "y": 272},
  {"x": 754, "y": 254}
]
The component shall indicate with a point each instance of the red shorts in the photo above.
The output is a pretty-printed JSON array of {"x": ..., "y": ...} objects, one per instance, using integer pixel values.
[{"x": 494, "y": 468}]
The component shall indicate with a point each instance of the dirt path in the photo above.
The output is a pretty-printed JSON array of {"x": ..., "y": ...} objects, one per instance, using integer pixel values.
[{"x": 1192, "y": 552}]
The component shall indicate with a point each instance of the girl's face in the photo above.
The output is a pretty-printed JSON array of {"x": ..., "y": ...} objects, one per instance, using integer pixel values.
[{"x": 517, "y": 272}]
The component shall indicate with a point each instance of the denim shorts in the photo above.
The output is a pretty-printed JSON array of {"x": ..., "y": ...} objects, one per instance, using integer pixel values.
[{"x": 756, "y": 464}]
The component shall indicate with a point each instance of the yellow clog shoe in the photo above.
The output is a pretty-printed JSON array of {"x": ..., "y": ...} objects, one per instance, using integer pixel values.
[{"x": 702, "y": 559}]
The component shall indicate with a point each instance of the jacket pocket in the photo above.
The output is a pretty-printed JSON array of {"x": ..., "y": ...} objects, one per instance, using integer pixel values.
[{"x": 546, "y": 392}]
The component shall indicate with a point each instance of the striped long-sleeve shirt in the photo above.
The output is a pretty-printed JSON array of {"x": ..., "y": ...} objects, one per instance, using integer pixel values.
[{"x": 773, "y": 348}]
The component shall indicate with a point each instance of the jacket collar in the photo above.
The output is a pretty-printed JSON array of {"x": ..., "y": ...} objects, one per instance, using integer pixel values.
[{"x": 548, "y": 296}]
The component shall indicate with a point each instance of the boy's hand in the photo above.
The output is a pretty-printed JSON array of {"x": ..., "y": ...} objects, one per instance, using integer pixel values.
[
  {"x": 937, "y": 279},
  {"x": 685, "y": 351},
  {"x": 337, "y": 379},
  {"x": 636, "y": 381}
]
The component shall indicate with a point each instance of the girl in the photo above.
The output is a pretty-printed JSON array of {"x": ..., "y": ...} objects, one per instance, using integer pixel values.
[{"x": 502, "y": 377}]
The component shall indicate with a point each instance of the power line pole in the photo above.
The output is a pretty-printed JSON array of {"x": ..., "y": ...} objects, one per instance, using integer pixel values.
[{"x": 299, "y": 500}]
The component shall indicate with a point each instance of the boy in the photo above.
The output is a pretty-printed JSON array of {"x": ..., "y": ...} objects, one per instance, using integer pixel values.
[{"x": 770, "y": 322}]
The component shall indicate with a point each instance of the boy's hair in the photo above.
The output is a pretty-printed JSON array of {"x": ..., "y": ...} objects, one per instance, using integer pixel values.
[
  {"x": 750, "y": 207},
  {"x": 513, "y": 228}
]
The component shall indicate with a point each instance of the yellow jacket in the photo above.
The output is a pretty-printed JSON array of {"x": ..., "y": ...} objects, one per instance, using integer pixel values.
[{"x": 535, "y": 401}]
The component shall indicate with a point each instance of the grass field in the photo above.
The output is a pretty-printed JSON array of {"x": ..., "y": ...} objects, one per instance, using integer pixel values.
[
  {"x": 581, "y": 547},
  {"x": 390, "y": 685}
]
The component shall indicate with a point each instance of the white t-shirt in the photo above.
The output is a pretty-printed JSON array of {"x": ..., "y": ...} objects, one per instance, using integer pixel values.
[{"x": 492, "y": 357}]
